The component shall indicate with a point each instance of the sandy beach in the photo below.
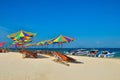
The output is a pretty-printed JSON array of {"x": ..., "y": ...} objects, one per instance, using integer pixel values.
[{"x": 14, "y": 67}]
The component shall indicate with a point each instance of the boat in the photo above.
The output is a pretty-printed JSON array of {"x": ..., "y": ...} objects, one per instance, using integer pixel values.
[
  {"x": 106, "y": 54},
  {"x": 80, "y": 52},
  {"x": 92, "y": 53}
]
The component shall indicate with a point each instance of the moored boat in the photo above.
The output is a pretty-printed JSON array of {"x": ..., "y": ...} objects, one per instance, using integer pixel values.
[
  {"x": 93, "y": 53},
  {"x": 80, "y": 52},
  {"x": 106, "y": 54}
]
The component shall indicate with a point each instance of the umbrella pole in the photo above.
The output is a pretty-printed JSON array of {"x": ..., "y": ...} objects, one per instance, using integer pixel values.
[
  {"x": 23, "y": 46},
  {"x": 47, "y": 49},
  {"x": 59, "y": 47},
  {"x": 53, "y": 47},
  {"x": 62, "y": 48},
  {"x": 16, "y": 47}
]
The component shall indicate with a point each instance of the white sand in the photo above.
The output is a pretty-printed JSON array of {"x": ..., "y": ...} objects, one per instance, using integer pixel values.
[{"x": 14, "y": 67}]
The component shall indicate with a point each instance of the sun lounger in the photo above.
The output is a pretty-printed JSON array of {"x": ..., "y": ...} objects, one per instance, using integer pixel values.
[
  {"x": 50, "y": 53},
  {"x": 29, "y": 54},
  {"x": 65, "y": 57},
  {"x": 61, "y": 58},
  {"x": 3, "y": 50}
]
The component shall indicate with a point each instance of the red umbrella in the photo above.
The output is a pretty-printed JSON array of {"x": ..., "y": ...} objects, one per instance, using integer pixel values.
[{"x": 2, "y": 44}]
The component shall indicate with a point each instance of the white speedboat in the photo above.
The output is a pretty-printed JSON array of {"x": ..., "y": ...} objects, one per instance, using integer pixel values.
[
  {"x": 81, "y": 52},
  {"x": 106, "y": 54}
]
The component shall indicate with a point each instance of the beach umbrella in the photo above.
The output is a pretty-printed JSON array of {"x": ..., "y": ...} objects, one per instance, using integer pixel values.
[
  {"x": 30, "y": 44},
  {"x": 22, "y": 36},
  {"x": 44, "y": 43},
  {"x": 62, "y": 39},
  {"x": 16, "y": 44},
  {"x": 2, "y": 44},
  {"x": 52, "y": 42},
  {"x": 41, "y": 43},
  {"x": 48, "y": 42},
  {"x": 12, "y": 45}
]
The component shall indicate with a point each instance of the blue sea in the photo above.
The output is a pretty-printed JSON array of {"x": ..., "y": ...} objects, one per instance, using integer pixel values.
[{"x": 115, "y": 50}]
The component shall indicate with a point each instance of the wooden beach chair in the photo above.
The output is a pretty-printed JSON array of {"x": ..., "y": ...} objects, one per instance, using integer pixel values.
[
  {"x": 29, "y": 54},
  {"x": 0, "y": 50},
  {"x": 3, "y": 50},
  {"x": 50, "y": 53},
  {"x": 61, "y": 58}
]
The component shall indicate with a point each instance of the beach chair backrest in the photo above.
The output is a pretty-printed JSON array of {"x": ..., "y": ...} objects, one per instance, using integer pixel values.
[{"x": 64, "y": 58}]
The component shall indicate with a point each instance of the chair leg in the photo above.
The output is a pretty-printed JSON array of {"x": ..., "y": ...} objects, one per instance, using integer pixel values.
[
  {"x": 61, "y": 62},
  {"x": 23, "y": 56}
]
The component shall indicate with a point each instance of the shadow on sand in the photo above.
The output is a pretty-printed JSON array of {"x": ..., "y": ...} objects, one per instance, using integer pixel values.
[
  {"x": 41, "y": 57},
  {"x": 38, "y": 57},
  {"x": 77, "y": 62}
]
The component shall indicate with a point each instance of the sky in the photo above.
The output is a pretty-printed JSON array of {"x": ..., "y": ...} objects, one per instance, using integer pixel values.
[{"x": 93, "y": 23}]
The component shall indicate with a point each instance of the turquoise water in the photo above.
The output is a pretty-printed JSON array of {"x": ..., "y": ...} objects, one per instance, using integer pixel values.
[
  {"x": 63, "y": 50},
  {"x": 115, "y": 50}
]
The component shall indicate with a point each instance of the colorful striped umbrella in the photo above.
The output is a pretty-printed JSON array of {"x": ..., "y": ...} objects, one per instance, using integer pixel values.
[
  {"x": 22, "y": 36},
  {"x": 41, "y": 43},
  {"x": 44, "y": 43},
  {"x": 30, "y": 44},
  {"x": 49, "y": 42},
  {"x": 62, "y": 39}
]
